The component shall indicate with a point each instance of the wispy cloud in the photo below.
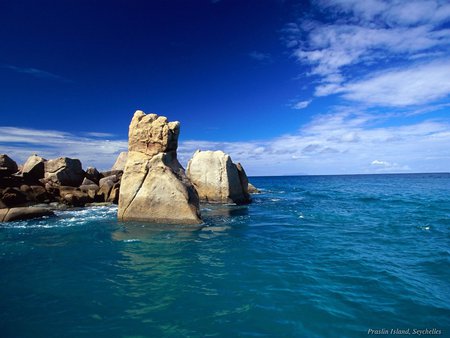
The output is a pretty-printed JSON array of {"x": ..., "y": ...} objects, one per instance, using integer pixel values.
[
  {"x": 99, "y": 135},
  {"x": 261, "y": 57},
  {"x": 341, "y": 142},
  {"x": 20, "y": 143},
  {"x": 39, "y": 73},
  {"x": 397, "y": 87},
  {"x": 301, "y": 104},
  {"x": 369, "y": 34}
]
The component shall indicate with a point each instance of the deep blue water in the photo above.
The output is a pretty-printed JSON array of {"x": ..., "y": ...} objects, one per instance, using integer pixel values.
[{"x": 313, "y": 256}]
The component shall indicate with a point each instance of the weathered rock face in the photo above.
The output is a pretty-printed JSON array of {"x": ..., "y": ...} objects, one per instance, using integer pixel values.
[
  {"x": 7, "y": 165},
  {"x": 120, "y": 161},
  {"x": 217, "y": 179},
  {"x": 154, "y": 186},
  {"x": 64, "y": 171},
  {"x": 34, "y": 168}
]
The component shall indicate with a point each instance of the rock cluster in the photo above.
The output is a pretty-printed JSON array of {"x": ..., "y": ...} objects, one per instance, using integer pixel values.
[
  {"x": 154, "y": 185},
  {"x": 147, "y": 182},
  {"x": 60, "y": 180},
  {"x": 217, "y": 179}
]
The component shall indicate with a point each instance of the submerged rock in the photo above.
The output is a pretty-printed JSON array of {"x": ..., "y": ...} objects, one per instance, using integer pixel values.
[
  {"x": 154, "y": 186},
  {"x": 252, "y": 189},
  {"x": 217, "y": 179},
  {"x": 23, "y": 213}
]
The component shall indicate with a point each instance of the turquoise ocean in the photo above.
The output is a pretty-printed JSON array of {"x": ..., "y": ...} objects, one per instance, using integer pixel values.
[{"x": 312, "y": 256}]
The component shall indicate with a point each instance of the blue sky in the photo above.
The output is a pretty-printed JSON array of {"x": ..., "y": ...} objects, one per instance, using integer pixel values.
[{"x": 285, "y": 87}]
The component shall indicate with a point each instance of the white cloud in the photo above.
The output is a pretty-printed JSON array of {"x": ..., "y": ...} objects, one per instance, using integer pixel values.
[
  {"x": 339, "y": 143},
  {"x": 414, "y": 85},
  {"x": 301, "y": 104},
  {"x": 385, "y": 166},
  {"x": 370, "y": 34},
  {"x": 20, "y": 143},
  {"x": 39, "y": 73},
  {"x": 382, "y": 163}
]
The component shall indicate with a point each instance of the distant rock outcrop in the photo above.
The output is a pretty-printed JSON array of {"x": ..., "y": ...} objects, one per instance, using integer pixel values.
[
  {"x": 252, "y": 189},
  {"x": 154, "y": 185},
  {"x": 217, "y": 179},
  {"x": 120, "y": 161}
]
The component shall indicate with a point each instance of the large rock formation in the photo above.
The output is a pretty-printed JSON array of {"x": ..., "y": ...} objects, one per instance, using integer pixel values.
[
  {"x": 64, "y": 171},
  {"x": 154, "y": 186},
  {"x": 217, "y": 179}
]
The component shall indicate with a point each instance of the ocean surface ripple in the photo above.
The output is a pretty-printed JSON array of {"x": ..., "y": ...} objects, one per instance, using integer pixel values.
[{"x": 313, "y": 256}]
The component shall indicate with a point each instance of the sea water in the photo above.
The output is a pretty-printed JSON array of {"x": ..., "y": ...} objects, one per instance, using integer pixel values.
[{"x": 312, "y": 256}]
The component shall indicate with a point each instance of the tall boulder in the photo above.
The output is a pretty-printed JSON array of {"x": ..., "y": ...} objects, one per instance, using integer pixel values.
[
  {"x": 33, "y": 169},
  {"x": 7, "y": 165},
  {"x": 64, "y": 171},
  {"x": 217, "y": 179},
  {"x": 120, "y": 161},
  {"x": 154, "y": 186}
]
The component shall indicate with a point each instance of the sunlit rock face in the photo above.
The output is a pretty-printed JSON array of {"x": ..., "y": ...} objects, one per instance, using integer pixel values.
[
  {"x": 217, "y": 179},
  {"x": 154, "y": 186}
]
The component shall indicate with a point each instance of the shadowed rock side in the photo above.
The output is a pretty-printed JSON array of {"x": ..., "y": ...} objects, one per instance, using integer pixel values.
[
  {"x": 154, "y": 186},
  {"x": 217, "y": 179}
]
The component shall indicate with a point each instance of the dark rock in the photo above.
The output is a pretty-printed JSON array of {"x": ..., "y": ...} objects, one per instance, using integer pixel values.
[
  {"x": 64, "y": 171},
  {"x": 74, "y": 196},
  {"x": 118, "y": 173},
  {"x": 39, "y": 194},
  {"x": 93, "y": 174},
  {"x": 112, "y": 178},
  {"x": 104, "y": 191},
  {"x": 114, "y": 194},
  {"x": 87, "y": 181},
  {"x": 91, "y": 191},
  {"x": 88, "y": 187},
  {"x": 34, "y": 169},
  {"x": 7, "y": 166},
  {"x": 244, "y": 181},
  {"x": 11, "y": 181},
  {"x": 22, "y": 213},
  {"x": 13, "y": 197}
]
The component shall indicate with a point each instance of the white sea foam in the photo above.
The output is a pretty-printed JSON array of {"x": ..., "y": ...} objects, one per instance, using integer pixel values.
[{"x": 69, "y": 218}]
